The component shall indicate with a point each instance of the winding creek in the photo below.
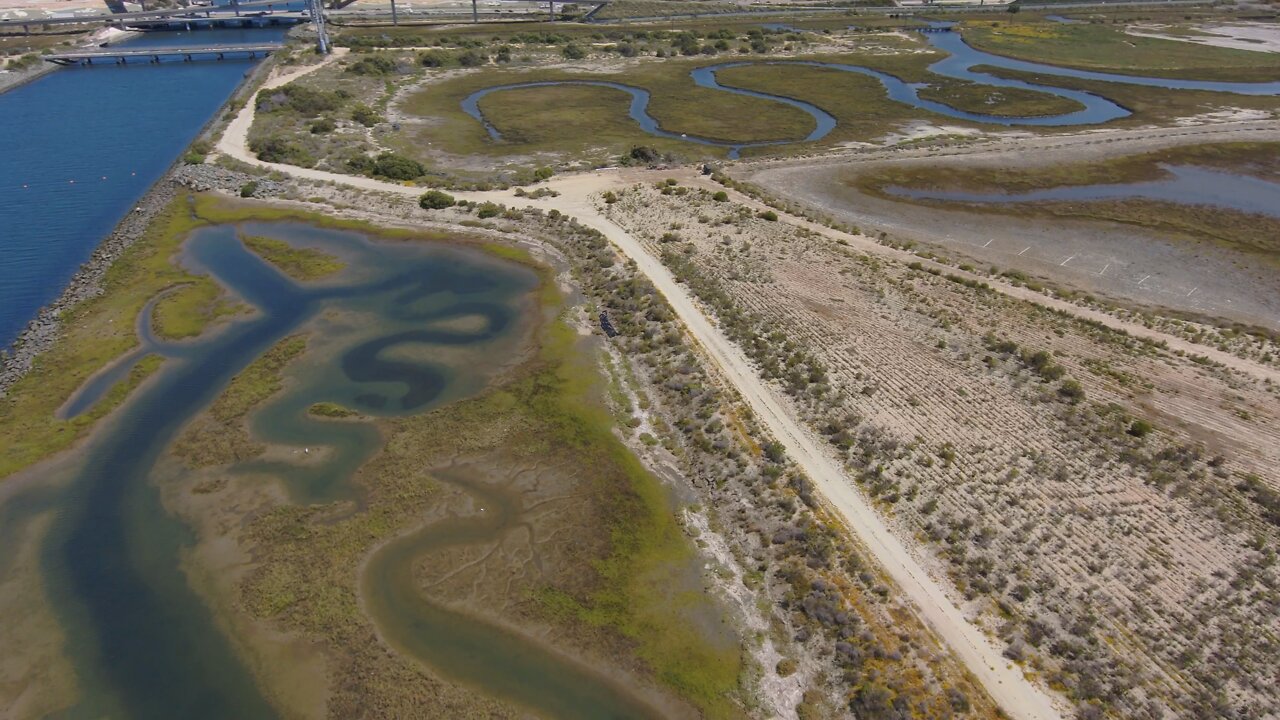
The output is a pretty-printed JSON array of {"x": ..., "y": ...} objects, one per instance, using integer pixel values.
[
  {"x": 143, "y": 644},
  {"x": 959, "y": 63}
]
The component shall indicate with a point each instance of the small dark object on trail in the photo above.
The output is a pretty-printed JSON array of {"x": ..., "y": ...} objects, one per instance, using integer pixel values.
[
  {"x": 606, "y": 325},
  {"x": 709, "y": 169}
]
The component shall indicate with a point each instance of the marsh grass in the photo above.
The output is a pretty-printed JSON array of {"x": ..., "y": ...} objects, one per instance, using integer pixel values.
[
  {"x": 331, "y": 410},
  {"x": 190, "y": 309},
  {"x": 626, "y": 598},
  {"x": 298, "y": 263},
  {"x": 547, "y": 413},
  {"x": 1108, "y": 49},
  {"x": 93, "y": 333}
]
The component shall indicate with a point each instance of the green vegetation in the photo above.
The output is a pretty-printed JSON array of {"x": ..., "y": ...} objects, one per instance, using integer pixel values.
[
  {"x": 187, "y": 310},
  {"x": 576, "y": 119},
  {"x": 545, "y": 413},
  {"x": 298, "y": 263},
  {"x": 1109, "y": 49},
  {"x": 278, "y": 149},
  {"x": 219, "y": 437},
  {"x": 376, "y": 64},
  {"x": 301, "y": 99},
  {"x": 436, "y": 200},
  {"x": 94, "y": 332},
  {"x": 387, "y": 165},
  {"x": 259, "y": 381},
  {"x": 331, "y": 410},
  {"x": 1002, "y": 102}
]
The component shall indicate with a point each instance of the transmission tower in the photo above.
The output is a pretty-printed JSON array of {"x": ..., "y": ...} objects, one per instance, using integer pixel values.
[{"x": 317, "y": 21}]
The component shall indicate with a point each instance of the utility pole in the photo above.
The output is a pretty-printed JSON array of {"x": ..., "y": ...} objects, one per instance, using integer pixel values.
[
  {"x": 394, "y": 19},
  {"x": 475, "y": 13},
  {"x": 551, "y": 9}
]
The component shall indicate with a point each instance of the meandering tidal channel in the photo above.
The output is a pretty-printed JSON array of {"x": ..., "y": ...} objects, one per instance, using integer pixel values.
[
  {"x": 404, "y": 328},
  {"x": 959, "y": 63}
]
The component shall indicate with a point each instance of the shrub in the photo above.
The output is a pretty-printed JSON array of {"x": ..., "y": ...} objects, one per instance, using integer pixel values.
[
  {"x": 302, "y": 100},
  {"x": 436, "y": 200},
  {"x": 488, "y": 210},
  {"x": 397, "y": 167},
  {"x": 1071, "y": 391},
  {"x": 322, "y": 125},
  {"x": 433, "y": 59},
  {"x": 373, "y": 65},
  {"x": 276, "y": 149},
  {"x": 1139, "y": 428},
  {"x": 365, "y": 115},
  {"x": 769, "y": 215},
  {"x": 721, "y": 196},
  {"x": 543, "y": 173},
  {"x": 645, "y": 154},
  {"x": 471, "y": 58},
  {"x": 573, "y": 52},
  {"x": 248, "y": 189}
]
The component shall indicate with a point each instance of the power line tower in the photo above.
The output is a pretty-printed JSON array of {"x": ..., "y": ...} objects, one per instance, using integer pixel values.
[{"x": 317, "y": 21}]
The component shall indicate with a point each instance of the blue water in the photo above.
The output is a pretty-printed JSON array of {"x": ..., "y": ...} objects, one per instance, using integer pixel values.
[
  {"x": 1187, "y": 185},
  {"x": 958, "y": 64},
  {"x": 143, "y": 644},
  {"x": 81, "y": 146}
]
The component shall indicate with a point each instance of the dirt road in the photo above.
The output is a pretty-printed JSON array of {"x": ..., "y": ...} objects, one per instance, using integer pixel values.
[{"x": 1005, "y": 682}]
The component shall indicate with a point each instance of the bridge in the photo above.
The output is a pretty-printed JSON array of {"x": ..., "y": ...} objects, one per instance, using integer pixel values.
[
  {"x": 154, "y": 55},
  {"x": 222, "y": 16}
]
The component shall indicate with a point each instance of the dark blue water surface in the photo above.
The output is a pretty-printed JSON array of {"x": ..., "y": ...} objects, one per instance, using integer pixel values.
[{"x": 80, "y": 147}]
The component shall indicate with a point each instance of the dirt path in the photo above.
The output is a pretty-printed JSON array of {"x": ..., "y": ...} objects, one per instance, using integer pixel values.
[{"x": 1005, "y": 682}]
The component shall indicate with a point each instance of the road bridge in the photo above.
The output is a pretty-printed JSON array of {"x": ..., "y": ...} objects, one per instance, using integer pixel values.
[
  {"x": 210, "y": 15},
  {"x": 188, "y": 53}
]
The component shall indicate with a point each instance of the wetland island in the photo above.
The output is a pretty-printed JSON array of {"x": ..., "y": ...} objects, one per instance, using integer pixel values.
[{"x": 640, "y": 359}]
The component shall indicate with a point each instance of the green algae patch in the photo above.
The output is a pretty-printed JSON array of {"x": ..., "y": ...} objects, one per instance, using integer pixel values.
[
  {"x": 93, "y": 333},
  {"x": 190, "y": 309},
  {"x": 330, "y": 410},
  {"x": 619, "y": 590},
  {"x": 218, "y": 436},
  {"x": 259, "y": 381},
  {"x": 298, "y": 263},
  {"x": 641, "y": 592}
]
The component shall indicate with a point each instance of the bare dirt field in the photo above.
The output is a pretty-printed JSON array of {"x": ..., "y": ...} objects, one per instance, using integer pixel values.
[
  {"x": 1123, "y": 262},
  {"x": 1130, "y": 567}
]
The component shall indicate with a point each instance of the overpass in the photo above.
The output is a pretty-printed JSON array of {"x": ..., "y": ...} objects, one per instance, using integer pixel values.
[
  {"x": 188, "y": 53},
  {"x": 227, "y": 16}
]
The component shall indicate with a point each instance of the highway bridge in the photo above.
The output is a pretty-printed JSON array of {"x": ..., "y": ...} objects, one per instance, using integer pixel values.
[
  {"x": 244, "y": 15},
  {"x": 155, "y": 55}
]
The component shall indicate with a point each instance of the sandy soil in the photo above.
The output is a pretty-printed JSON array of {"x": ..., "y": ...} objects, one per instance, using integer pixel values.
[
  {"x": 1109, "y": 259},
  {"x": 1005, "y": 682},
  {"x": 1022, "y": 482},
  {"x": 1256, "y": 37}
]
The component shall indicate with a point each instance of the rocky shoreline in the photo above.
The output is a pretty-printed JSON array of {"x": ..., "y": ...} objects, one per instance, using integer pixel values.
[
  {"x": 41, "y": 333},
  {"x": 43, "y": 330}
]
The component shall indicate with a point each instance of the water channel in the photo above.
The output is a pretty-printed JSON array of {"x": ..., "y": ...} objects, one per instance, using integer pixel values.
[
  {"x": 82, "y": 145},
  {"x": 143, "y": 644},
  {"x": 959, "y": 63}
]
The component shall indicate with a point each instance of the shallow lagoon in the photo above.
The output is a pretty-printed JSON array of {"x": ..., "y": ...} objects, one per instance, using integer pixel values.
[{"x": 406, "y": 327}]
